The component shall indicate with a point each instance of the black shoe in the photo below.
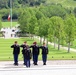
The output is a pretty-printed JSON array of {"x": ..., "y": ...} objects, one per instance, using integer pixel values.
[
  {"x": 24, "y": 63},
  {"x": 16, "y": 64},
  {"x": 44, "y": 63},
  {"x": 35, "y": 64}
]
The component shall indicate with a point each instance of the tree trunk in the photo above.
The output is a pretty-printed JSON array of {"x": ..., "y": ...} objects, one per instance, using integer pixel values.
[
  {"x": 58, "y": 44},
  {"x": 40, "y": 40},
  {"x": 47, "y": 42},
  {"x": 69, "y": 47},
  {"x": 54, "y": 42},
  {"x": 71, "y": 43},
  {"x": 33, "y": 37},
  {"x": 44, "y": 40}
]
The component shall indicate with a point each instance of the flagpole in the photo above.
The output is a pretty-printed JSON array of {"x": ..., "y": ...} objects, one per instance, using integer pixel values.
[{"x": 11, "y": 12}]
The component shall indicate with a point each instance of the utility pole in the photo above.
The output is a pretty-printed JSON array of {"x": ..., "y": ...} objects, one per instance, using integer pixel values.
[{"x": 11, "y": 11}]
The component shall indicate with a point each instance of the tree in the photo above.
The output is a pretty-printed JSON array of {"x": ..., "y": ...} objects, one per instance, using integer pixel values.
[
  {"x": 32, "y": 25},
  {"x": 24, "y": 20},
  {"x": 53, "y": 10},
  {"x": 43, "y": 27},
  {"x": 56, "y": 29},
  {"x": 39, "y": 15},
  {"x": 74, "y": 11},
  {"x": 70, "y": 23},
  {"x": 0, "y": 23}
]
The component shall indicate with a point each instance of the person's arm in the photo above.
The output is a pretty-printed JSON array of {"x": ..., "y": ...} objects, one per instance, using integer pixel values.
[
  {"x": 21, "y": 45},
  {"x": 40, "y": 47},
  {"x": 12, "y": 46},
  {"x": 31, "y": 46}
]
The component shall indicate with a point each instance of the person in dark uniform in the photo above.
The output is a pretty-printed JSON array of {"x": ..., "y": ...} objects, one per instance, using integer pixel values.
[
  {"x": 26, "y": 53},
  {"x": 35, "y": 52},
  {"x": 16, "y": 51},
  {"x": 44, "y": 53},
  {"x": 24, "y": 47}
]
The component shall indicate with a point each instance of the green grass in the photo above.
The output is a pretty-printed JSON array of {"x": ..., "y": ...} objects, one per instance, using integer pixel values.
[
  {"x": 6, "y": 50},
  {"x": 54, "y": 54},
  {"x": 8, "y": 24}
]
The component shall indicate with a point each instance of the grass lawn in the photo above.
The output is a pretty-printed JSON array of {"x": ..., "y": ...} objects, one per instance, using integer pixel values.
[
  {"x": 74, "y": 44},
  {"x": 8, "y": 24},
  {"x": 54, "y": 54}
]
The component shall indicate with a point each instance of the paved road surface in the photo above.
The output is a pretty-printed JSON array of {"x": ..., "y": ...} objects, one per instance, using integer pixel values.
[{"x": 59, "y": 67}]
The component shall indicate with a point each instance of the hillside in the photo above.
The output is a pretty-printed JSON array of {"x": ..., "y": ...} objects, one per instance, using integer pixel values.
[
  {"x": 24, "y": 3},
  {"x": 65, "y": 3},
  {"x": 21, "y": 4}
]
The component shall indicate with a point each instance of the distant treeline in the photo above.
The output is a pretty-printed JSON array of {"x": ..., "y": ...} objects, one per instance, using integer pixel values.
[
  {"x": 20, "y": 3},
  {"x": 17, "y": 5}
]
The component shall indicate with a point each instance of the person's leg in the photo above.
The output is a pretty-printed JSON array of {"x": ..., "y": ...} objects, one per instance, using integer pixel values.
[
  {"x": 36, "y": 59},
  {"x": 33, "y": 59},
  {"x": 28, "y": 63},
  {"x": 44, "y": 58},
  {"x": 24, "y": 60},
  {"x": 16, "y": 59}
]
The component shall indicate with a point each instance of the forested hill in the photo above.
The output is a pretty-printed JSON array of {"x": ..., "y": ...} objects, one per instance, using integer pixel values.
[
  {"x": 18, "y": 5},
  {"x": 23, "y": 3}
]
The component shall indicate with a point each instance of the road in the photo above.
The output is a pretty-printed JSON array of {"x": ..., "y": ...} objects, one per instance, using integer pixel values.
[{"x": 64, "y": 67}]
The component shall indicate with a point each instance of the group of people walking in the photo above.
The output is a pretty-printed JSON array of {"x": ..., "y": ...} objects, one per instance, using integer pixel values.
[{"x": 29, "y": 52}]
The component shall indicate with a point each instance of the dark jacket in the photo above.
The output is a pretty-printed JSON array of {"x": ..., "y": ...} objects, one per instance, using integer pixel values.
[
  {"x": 27, "y": 53},
  {"x": 16, "y": 49},
  {"x": 35, "y": 49},
  {"x": 23, "y": 46},
  {"x": 24, "y": 51},
  {"x": 44, "y": 49}
]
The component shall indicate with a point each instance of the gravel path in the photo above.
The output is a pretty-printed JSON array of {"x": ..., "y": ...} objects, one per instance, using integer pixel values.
[
  {"x": 65, "y": 48},
  {"x": 62, "y": 47}
]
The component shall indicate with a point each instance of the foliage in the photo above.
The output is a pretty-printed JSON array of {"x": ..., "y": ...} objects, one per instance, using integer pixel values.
[
  {"x": 70, "y": 22},
  {"x": 24, "y": 20}
]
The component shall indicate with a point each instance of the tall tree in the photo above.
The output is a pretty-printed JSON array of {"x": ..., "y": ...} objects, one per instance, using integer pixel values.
[
  {"x": 0, "y": 23},
  {"x": 56, "y": 29},
  {"x": 23, "y": 20},
  {"x": 70, "y": 23},
  {"x": 43, "y": 27},
  {"x": 32, "y": 25}
]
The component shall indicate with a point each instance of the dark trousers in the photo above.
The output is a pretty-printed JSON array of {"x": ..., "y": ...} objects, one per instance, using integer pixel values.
[
  {"x": 35, "y": 58},
  {"x": 44, "y": 58},
  {"x": 27, "y": 62},
  {"x": 16, "y": 58},
  {"x": 24, "y": 58}
]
